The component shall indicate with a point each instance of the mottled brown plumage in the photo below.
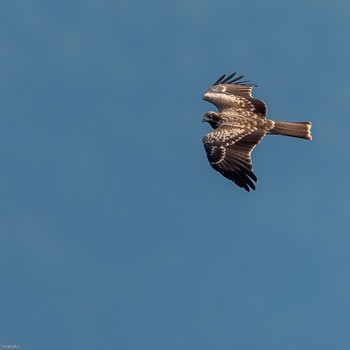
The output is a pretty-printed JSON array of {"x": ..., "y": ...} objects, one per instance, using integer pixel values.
[{"x": 239, "y": 125}]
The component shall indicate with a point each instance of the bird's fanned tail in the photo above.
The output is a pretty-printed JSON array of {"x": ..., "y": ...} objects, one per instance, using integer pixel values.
[{"x": 294, "y": 129}]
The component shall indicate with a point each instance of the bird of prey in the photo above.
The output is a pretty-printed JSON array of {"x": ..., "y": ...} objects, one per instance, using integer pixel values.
[{"x": 239, "y": 125}]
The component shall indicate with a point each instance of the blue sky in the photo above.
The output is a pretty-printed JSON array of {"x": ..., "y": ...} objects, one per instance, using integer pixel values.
[{"x": 114, "y": 230}]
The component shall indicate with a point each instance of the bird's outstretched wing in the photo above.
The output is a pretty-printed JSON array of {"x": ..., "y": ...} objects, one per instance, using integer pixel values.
[
  {"x": 230, "y": 93},
  {"x": 229, "y": 152}
]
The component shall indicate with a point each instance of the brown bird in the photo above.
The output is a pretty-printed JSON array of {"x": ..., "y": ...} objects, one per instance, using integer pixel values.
[{"x": 240, "y": 124}]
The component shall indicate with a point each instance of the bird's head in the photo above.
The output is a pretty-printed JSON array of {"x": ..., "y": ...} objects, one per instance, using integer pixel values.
[{"x": 213, "y": 118}]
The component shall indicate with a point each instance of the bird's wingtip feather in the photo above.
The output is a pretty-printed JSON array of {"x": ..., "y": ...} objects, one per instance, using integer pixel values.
[{"x": 231, "y": 79}]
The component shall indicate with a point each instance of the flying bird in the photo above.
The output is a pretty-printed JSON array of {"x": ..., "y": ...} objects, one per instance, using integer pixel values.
[{"x": 239, "y": 125}]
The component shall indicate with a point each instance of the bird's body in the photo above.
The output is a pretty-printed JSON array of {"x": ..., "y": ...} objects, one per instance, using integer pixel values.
[{"x": 239, "y": 125}]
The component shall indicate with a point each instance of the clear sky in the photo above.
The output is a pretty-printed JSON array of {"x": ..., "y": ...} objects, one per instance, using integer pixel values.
[{"x": 115, "y": 233}]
